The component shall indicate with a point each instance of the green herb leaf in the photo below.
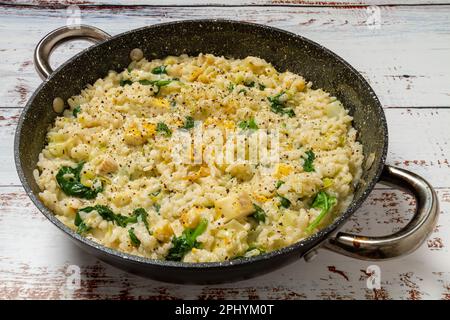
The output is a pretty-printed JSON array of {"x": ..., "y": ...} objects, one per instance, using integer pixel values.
[
  {"x": 69, "y": 181},
  {"x": 279, "y": 184},
  {"x": 134, "y": 240},
  {"x": 189, "y": 123},
  {"x": 123, "y": 82},
  {"x": 160, "y": 70},
  {"x": 324, "y": 202},
  {"x": 161, "y": 127},
  {"x": 155, "y": 193},
  {"x": 308, "y": 165},
  {"x": 231, "y": 87},
  {"x": 249, "y": 84},
  {"x": 107, "y": 214},
  {"x": 250, "y": 124},
  {"x": 261, "y": 87},
  {"x": 184, "y": 243},
  {"x": 142, "y": 215},
  {"x": 278, "y": 107},
  {"x": 82, "y": 227},
  {"x": 284, "y": 202},
  {"x": 158, "y": 83},
  {"x": 76, "y": 111},
  {"x": 259, "y": 214}
]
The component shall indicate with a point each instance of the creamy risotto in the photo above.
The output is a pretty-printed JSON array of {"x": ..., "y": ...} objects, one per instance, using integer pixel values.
[{"x": 109, "y": 172}]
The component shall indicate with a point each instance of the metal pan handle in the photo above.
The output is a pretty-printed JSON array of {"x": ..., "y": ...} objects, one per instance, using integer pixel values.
[
  {"x": 59, "y": 36},
  {"x": 409, "y": 238}
]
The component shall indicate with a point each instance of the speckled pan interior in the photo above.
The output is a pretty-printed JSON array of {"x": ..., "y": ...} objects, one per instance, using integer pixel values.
[{"x": 284, "y": 50}]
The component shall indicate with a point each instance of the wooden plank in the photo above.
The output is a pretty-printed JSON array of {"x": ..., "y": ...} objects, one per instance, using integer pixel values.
[
  {"x": 35, "y": 263},
  {"x": 404, "y": 71},
  {"x": 425, "y": 151},
  {"x": 59, "y": 3}
]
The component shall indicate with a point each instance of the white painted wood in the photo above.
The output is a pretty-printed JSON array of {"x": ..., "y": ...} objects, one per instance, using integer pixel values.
[
  {"x": 35, "y": 264},
  {"x": 47, "y": 3},
  {"x": 412, "y": 41},
  {"x": 406, "y": 60}
]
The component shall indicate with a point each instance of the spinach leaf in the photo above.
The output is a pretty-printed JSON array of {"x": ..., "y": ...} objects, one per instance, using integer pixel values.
[
  {"x": 259, "y": 214},
  {"x": 134, "y": 240},
  {"x": 82, "y": 227},
  {"x": 324, "y": 202},
  {"x": 160, "y": 70},
  {"x": 69, "y": 181},
  {"x": 163, "y": 128},
  {"x": 184, "y": 243},
  {"x": 107, "y": 214},
  {"x": 308, "y": 165},
  {"x": 142, "y": 215},
  {"x": 122, "y": 220},
  {"x": 278, "y": 107},
  {"x": 76, "y": 111},
  {"x": 189, "y": 123},
  {"x": 248, "y": 125}
]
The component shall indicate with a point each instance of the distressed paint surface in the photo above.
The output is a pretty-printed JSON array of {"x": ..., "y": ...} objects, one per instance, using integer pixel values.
[
  {"x": 406, "y": 61},
  {"x": 59, "y": 3}
]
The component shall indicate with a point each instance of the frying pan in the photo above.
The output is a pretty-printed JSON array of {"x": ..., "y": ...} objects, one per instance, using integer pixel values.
[{"x": 286, "y": 51}]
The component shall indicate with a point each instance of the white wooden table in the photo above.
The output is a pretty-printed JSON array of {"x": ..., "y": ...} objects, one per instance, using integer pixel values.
[{"x": 403, "y": 50}]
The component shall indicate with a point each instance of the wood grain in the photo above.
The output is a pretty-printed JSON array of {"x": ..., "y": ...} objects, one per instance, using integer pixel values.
[
  {"x": 406, "y": 60},
  {"x": 61, "y": 3}
]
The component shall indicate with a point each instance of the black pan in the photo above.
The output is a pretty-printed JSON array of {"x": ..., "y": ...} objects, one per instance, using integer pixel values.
[{"x": 286, "y": 51}]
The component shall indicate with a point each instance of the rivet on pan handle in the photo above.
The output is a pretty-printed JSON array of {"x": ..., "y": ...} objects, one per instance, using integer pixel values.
[
  {"x": 409, "y": 238},
  {"x": 59, "y": 36}
]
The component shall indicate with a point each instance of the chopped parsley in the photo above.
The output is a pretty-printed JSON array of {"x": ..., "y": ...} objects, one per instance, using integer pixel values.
[
  {"x": 248, "y": 125},
  {"x": 162, "y": 128},
  {"x": 278, "y": 107},
  {"x": 259, "y": 214},
  {"x": 284, "y": 202},
  {"x": 76, "y": 111},
  {"x": 189, "y": 123},
  {"x": 123, "y": 82},
  {"x": 160, "y": 70},
  {"x": 308, "y": 165},
  {"x": 279, "y": 184}
]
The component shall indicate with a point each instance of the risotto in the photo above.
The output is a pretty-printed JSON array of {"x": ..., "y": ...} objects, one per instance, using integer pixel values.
[{"x": 110, "y": 169}]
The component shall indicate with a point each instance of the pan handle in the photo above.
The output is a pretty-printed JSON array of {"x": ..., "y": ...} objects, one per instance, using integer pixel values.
[
  {"x": 59, "y": 36},
  {"x": 409, "y": 238}
]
